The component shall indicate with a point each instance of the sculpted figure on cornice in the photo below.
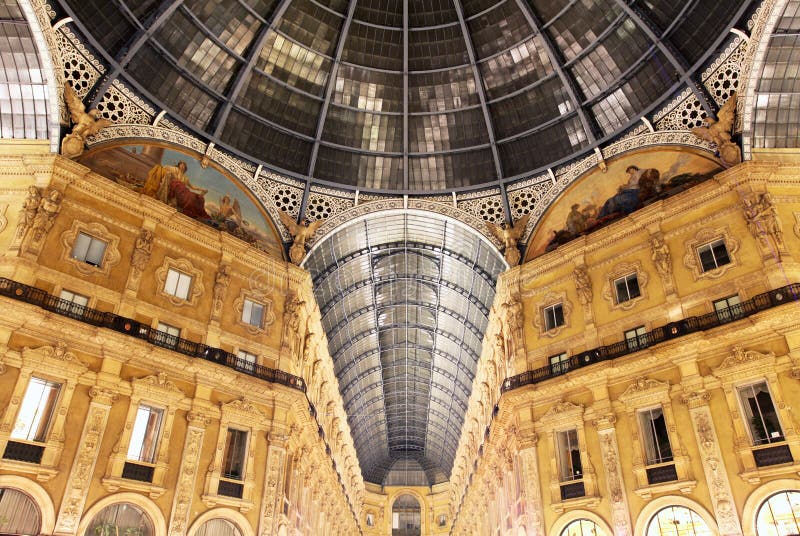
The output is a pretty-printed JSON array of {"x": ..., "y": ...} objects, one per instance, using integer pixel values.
[
  {"x": 46, "y": 213},
  {"x": 583, "y": 284},
  {"x": 509, "y": 234},
  {"x": 221, "y": 281},
  {"x": 29, "y": 209},
  {"x": 84, "y": 124},
  {"x": 301, "y": 233},
  {"x": 719, "y": 132},
  {"x": 762, "y": 220}
]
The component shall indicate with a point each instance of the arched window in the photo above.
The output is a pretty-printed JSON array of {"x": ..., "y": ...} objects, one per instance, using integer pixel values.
[
  {"x": 18, "y": 513},
  {"x": 218, "y": 527},
  {"x": 121, "y": 518},
  {"x": 779, "y": 515},
  {"x": 581, "y": 527},
  {"x": 406, "y": 516},
  {"x": 677, "y": 521}
]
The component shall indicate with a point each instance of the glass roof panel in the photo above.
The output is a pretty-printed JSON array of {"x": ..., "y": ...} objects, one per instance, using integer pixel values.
[
  {"x": 404, "y": 343},
  {"x": 328, "y": 82}
]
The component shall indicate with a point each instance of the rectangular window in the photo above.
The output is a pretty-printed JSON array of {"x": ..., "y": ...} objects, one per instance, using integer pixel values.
[
  {"x": 252, "y": 313},
  {"x": 36, "y": 410},
  {"x": 167, "y": 335},
  {"x": 235, "y": 450},
  {"x": 178, "y": 284},
  {"x": 559, "y": 364},
  {"x": 73, "y": 303},
  {"x": 713, "y": 255},
  {"x": 247, "y": 361},
  {"x": 759, "y": 414},
  {"x": 89, "y": 249},
  {"x": 144, "y": 438},
  {"x": 729, "y": 308},
  {"x": 655, "y": 438},
  {"x": 553, "y": 316},
  {"x": 569, "y": 455},
  {"x": 636, "y": 338},
  {"x": 627, "y": 288}
]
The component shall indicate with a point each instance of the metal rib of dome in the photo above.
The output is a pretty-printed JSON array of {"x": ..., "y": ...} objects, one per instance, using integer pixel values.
[
  {"x": 405, "y": 301},
  {"x": 405, "y": 95}
]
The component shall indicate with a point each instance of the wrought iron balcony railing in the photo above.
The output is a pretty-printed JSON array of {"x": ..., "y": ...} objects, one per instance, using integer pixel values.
[
  {"x": 761, "y": 302},
  {"x": 128, "y": 326}
]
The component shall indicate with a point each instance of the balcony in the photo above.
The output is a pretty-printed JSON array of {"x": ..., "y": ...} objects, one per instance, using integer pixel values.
[
  {"x": 25, "y": 293},
  {"x": 693, "y": 324}
]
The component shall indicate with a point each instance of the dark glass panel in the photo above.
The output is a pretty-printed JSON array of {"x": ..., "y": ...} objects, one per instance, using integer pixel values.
[
  {"x": 436, "y": 48},
  {"x": 442, "y": 132},
  {"x": 368, "y": 89},
  {"x": 378, "y": 48},
  {"x": 106, "y": 22},
  {"x": 363, "y": 170},
  {"x": 531, "y": 108},
  {"x": 498, "y": 29},
  {"x": 260, "y": 139},
  {"x": 542, "y": 147},
  {"x": 362, "y": 130},
  {"x": 279, "y": 104},
  {"x": 195, "y": 51},
  {"x": 442, "y": 90},
  {"x": 176, "y": 91},
  {"x": 312, "y": 26}
]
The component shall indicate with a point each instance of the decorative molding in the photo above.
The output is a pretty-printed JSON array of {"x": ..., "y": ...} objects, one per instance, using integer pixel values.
[
  {"x": 741, "y": 359},
  {"x": 552, "y": 298},
  {"x": 692, "y": 259},
  {"x": 184, "y": 266},
  {"x": 643, "y": 390},
  {"x": 187, "y": 476},
  {"x": 621, "y": 270},
  {"x": 111, "y": 256}
]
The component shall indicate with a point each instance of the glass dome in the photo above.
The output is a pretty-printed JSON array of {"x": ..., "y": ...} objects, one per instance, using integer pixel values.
[{"x": 405, "y": 96}]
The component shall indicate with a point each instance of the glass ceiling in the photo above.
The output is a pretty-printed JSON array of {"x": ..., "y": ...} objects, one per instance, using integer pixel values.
[
  {"x": 404, "y": 95},
  {"x": 405, "y": 300}
]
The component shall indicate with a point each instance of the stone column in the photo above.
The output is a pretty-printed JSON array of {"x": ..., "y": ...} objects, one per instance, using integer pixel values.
[
  {"x": 711, "y": 456},
  {"x": 273, "y": 484},
  {"x": 187, "y": 474},
  {"x": 533, "y": 493},
  {"x": 80, "y": 477},
  {"x": 620, "y": 513}
]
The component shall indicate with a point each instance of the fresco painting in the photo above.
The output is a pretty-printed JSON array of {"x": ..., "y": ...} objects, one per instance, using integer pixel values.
[
  {"x": 178, "y": 179},
  {"x": 631, "y": 182}
]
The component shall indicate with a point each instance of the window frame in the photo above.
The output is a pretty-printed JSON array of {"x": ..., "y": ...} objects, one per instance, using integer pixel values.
[
  {"x": 626, "y": 279},
  {"x": 650, "y": 432},
  {"x": 42, "y": 430},
  {"x": 710, "y": 246},
  {"x": 177, "y": 289},
  {"x": 157, "y": 392},
  {"x": 639, "y": 339},
  {"x": 731, "y": 311},
  {"x": 573, "y": 475},
  {"x": 184, "y": 267},
  {"x": 546, "y": 319},
  {"x": 51, "y": 363},
  {"x": 769, "y": 438},
  {"x": 157, "y": 434},
  {"x": 559, "y": 363},
  {"x": 247, "y": 301},
  {"x": 92, "y": 240},
  {"x": 250, "y": 359}
]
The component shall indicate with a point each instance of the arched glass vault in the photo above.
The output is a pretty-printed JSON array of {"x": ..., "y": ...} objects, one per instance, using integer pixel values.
[{"x": 405, "y": 299}]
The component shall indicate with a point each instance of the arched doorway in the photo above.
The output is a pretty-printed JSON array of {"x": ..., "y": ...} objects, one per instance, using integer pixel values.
[
  {"x": 18, "y": 513},
  {"x": 406, "y": 516}
]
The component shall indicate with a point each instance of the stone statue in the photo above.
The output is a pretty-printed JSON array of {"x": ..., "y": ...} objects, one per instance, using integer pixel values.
[
  {"x": 300, "y": 233},
  {"x": 221, "y": 281},
  {"x": 29, "y": 209},
  {"x": 583, "y": 284},
  {"x": 660, "y": 256},
  {"x": 85, "y": 124},
  {"x": 771, "y": 221},
  {"x": 719, "y": 132},
  {"x": 291, "y": 320},
  {"x": 46, "y": 214},
  {"x": 142, "y": 250},
  {"x": 509, "y": 234}
]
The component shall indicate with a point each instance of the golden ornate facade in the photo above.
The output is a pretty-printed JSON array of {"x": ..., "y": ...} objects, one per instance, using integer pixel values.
[{"x": 636, "y": 407}]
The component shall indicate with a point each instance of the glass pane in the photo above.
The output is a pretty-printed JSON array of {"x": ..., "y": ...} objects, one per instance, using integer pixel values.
[
  {"x": 119, "y": 519},
  {"x": 81, "y": 246},
  {"x": 36, "y": 410},
  {"x": 18, "y": 513},
  {"x": 94, "y": 255},
  {"x": 144, "y": 437},
  {"x": 233, "y": 465},
  {"x": 779, "y": 515},
  {"x": 677, "y": 521}
]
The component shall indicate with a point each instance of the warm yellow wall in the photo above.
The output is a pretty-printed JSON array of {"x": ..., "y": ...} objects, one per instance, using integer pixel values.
[
  {"x": 322, "y": 491},
  {"x": 690, "y": 374}
]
